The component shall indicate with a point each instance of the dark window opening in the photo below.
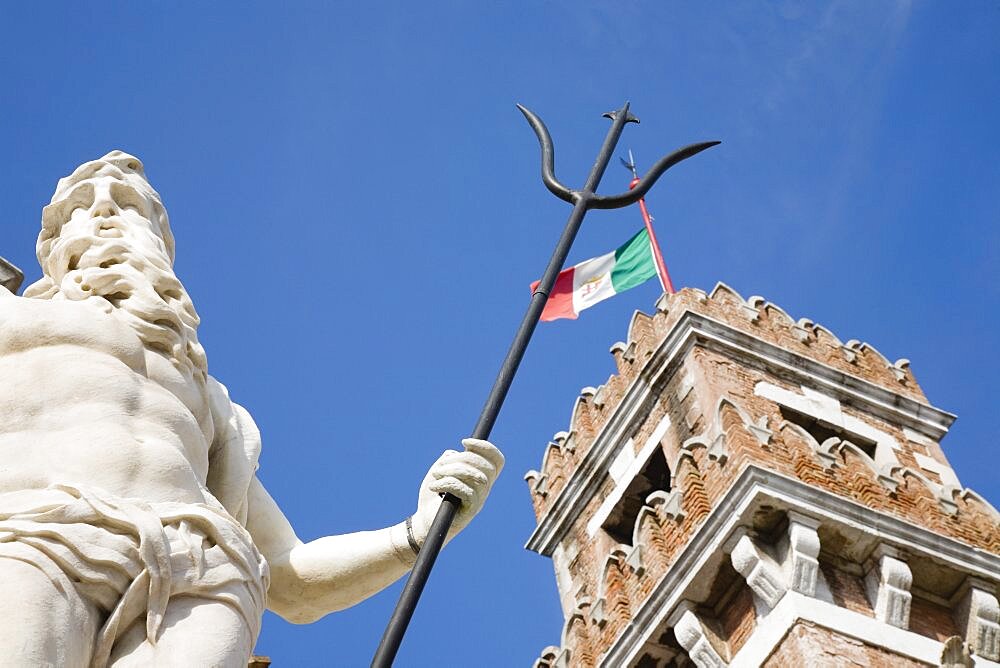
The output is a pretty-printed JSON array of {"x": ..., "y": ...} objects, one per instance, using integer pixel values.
[
  {"x": 654, "y": 476},
  {"x": 821, "y": 430}
]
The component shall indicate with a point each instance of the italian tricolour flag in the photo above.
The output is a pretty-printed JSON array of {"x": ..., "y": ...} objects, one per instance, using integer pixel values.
[{"x": 594, "y": 280}]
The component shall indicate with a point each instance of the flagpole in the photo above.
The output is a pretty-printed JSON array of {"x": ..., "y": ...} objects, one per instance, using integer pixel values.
[
  {"x": 661, "y": 266},
  {"x": 582, "y": 200}
]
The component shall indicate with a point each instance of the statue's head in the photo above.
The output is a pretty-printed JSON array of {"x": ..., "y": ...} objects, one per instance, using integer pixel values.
[
  {"x": 106, "y": 238},
  {"x": 102, "y": 201}
]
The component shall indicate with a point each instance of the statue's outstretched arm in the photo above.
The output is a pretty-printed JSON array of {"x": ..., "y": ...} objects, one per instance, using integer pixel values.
[{"x": 309, "y": 580}]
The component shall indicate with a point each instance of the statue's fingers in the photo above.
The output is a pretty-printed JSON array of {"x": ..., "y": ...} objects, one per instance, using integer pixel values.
[
  {"x": 485, "y": 449},
  {"x": 455, "y": 487},
  {"x": 447, "y": 456},
  {"x": 467, "y": 473},
  {"x": 476, "y": 461}
]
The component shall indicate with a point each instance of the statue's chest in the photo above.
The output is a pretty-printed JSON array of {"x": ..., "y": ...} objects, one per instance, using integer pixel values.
[{"x": 26, "y": 324}]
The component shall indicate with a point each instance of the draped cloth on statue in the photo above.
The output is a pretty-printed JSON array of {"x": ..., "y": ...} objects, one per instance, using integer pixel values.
[{"x": 129, "y": 557}]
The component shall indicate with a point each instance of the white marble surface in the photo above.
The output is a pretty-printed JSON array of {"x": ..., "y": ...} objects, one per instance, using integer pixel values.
[{"x": 133, "y": 529}]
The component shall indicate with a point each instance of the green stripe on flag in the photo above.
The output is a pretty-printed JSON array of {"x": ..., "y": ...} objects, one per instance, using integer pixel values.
[{"x": 633, "y": 263}]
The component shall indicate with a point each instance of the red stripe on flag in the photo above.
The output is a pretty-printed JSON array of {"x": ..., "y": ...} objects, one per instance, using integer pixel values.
[{"x": 560, "y": 302}]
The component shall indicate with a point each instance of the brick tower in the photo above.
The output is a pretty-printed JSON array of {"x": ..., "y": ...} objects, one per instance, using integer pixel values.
[{"x": 749, "y": 490}]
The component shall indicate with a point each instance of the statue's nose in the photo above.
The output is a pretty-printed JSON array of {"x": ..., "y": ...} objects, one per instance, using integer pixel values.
[{"x": 104, "y": 206}]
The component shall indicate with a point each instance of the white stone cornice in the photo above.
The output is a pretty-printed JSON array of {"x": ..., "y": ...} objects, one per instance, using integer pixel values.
[
  {"x": 691, "y": 329},
  {"x": 755, "y": 487}
]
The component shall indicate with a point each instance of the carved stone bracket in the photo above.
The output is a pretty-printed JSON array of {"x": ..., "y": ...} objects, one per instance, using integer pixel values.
[
  {"x": 803, "y": 553},
  {"x": 634, "y": 560},
  {"x": 751, "y": 312},
  {"x": 760, "y": 430},
  {"x": 691, "y": 635},
  {"x": 887, "y": 585},
  {"x": 547, "y": 658},
  {"x": 538, "y": 482},
  {"x": 850, "y": 350},
  {"x": 717, "y": 451},
  {"x": 899, "y": 368},
  {"x": 828, "y": 450},
  {"x": 803, "y": 330},
  {"x": 759, "y": 570},
  {"x": 978, "y": 615},
  {"x": 598, "y": 615},
  {"x": 669, "y": 504}
]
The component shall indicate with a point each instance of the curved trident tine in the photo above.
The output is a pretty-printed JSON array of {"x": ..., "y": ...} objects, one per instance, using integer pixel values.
[
  {"x": 548, "y": 157},
  {"x": 647, "y": 181}
]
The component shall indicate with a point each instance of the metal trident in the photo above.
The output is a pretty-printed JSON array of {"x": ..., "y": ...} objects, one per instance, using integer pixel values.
[{"x": 582, "y": 201}]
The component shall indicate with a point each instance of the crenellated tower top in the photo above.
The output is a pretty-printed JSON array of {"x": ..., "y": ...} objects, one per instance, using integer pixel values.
[{"x": 741, "y": 462}]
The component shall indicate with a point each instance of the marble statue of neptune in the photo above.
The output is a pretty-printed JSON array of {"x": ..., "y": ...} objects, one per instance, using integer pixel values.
[{"x": 133, "y": 529}]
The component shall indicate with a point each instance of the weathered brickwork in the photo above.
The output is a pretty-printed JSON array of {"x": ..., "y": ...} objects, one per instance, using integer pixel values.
[
  {"x": 816, "y": 647},
  {"x": 932, "y": 619},
  {"x": 714, "y": 414},
  {"x": 848, "y": 590},
  {"x": 738, "y": 619}
]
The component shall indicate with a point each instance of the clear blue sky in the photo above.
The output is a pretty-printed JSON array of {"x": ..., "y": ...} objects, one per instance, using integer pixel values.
[{"x": 358, "y": 214}]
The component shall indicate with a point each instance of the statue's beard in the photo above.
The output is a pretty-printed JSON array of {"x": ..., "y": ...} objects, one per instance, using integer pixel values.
[{"x": 135, "y": 282}]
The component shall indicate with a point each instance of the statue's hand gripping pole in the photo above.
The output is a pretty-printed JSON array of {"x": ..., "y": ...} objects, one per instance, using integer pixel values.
[{"x": 582, "y": 201}]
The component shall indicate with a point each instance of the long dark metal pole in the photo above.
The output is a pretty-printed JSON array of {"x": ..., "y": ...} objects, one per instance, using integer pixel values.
[{"x": 582, "y": 201}]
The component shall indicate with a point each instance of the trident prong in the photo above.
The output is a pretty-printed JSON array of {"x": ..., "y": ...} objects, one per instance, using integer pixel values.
[
  {"x": 548, "y": 157},
  {"x": 647, "y": 181},
  {"x": 592, "y": 200}
]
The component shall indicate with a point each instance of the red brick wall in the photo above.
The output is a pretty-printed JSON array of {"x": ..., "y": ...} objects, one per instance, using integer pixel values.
[
  {"x": 848, "y": 590},
  {"x": 932, "y": 620},
  {"x": 738, "y": 619},
  {"x": 817, "y": 647}
]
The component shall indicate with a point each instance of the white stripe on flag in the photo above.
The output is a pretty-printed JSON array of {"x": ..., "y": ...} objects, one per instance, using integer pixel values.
[{"x": 592, "y": 281}]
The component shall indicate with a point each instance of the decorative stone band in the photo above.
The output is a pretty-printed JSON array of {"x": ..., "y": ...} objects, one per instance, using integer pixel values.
[
  {"x": 696, "y": 329},
  {"x": 806, "y": 507}
]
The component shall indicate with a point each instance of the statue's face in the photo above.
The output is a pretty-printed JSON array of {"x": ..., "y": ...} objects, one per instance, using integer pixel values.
[{"x": 99, "y": 214}]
